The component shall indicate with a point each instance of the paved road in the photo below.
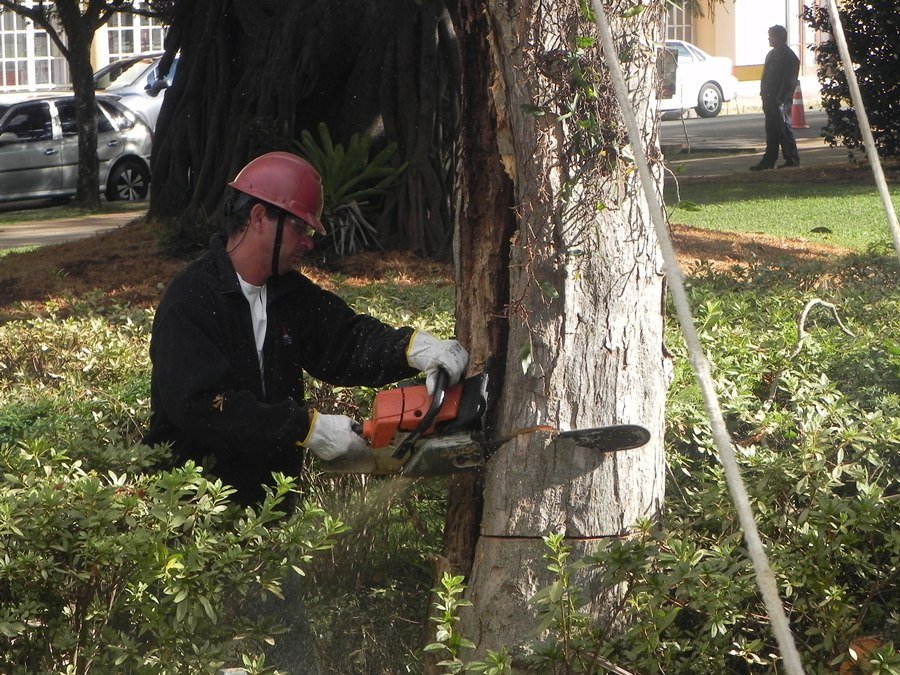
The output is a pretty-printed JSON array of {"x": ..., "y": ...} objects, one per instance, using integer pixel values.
[
  {"x": 735, "y": 132},
  {"x": 727, "y": 145}
]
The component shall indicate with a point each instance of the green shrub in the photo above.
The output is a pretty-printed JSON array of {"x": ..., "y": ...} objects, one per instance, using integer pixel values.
[
  {"x": 137, "y": 572},
  {"x": 106, "y": 564},
  {"x": 872, "y": 30},
  {"x": 354, "y": 187},
  {"x": 817, "y": 434},
  {"x": 75, "y": 381}
]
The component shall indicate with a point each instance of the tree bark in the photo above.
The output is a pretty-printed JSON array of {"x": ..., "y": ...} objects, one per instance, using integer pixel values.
[
  {"x": 486, "y": 223},
  {"x": 87, "y": 195},
  {"x": 584, "y": 312},
  {"x": 79, "y": 29}
]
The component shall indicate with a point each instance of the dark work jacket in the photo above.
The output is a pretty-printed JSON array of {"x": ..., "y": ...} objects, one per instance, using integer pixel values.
[
  {"x": 207, "y": 395},
  {"x": 779, "y": 76}
]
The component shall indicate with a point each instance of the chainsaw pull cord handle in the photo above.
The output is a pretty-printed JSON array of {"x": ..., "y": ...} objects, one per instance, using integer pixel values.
[{"x": 440, "y": 388}]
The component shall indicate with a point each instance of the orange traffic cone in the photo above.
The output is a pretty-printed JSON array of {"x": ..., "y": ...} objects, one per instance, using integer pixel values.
[{"x": 798, "y": 115}]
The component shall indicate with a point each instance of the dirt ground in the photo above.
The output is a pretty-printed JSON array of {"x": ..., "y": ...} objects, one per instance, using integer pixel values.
[{"x": 126, "y": 264}]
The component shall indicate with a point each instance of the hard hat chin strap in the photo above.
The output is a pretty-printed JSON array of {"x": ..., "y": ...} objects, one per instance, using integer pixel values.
[{"x": 276, "y": 246}]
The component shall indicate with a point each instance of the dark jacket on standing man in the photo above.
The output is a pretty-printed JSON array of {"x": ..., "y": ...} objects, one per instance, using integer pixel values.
[
  {"x": 209, "y": 399},
  {"x": 779, "y": 76}
]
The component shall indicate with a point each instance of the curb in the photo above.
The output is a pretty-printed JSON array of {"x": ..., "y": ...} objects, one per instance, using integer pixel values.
[{"x": 679, "y": 148}]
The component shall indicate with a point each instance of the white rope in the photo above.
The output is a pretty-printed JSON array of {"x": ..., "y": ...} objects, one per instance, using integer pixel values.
[
  {"x": 862, "y": 119},
  {"x": 765, "y": 579}
]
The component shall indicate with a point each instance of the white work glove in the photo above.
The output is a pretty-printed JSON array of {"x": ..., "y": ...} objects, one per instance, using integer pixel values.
[
  {"x": 331, "y": 436},
  {"x": 429, "y": 354}
]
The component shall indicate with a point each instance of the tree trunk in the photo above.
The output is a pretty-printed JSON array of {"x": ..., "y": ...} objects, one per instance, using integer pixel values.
[
  {"x": 584, "y": 312},
  {"x": 79, "y": 31},
  {"x": 487, "y": 221},
  {"x": 87, "y": 195}
]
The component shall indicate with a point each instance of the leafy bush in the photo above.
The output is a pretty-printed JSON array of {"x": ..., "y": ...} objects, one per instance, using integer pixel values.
[
  {"x": 353, "y": 186},
  {"x": 105, "y": 564},
  {"x": 138, "y": 573},
  {"x": 74, "y": 384},
  {"x": 817, "y": 434},
  {"x": 872, "y": 29}
]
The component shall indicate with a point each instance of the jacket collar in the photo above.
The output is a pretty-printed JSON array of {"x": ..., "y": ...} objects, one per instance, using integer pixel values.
[
  {"x": 228, "y": 278},
  {"x": 227, "y": 275}
]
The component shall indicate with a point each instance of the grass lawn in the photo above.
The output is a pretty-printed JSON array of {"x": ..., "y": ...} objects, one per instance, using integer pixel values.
[{"x": 837, "y": 213}]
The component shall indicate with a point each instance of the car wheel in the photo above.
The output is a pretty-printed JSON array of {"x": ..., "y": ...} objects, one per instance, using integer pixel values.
[
  {"x": 709, "y": 101},
  {"x": 128, "y": 181}
]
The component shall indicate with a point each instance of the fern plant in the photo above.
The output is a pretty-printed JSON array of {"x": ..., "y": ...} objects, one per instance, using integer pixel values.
[{"x": 353, "y": 185}]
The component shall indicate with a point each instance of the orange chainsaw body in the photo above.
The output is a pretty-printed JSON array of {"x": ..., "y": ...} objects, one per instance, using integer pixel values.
[{"x": 402, "y": 410}]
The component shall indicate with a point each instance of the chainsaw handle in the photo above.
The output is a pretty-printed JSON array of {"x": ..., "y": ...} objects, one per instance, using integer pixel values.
[{"x": 441, "y": 384}]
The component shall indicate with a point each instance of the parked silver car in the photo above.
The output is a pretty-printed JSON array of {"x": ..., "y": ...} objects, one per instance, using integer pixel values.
[
  {"x": 136, "y": 82},
  {"x": 39, "y": 149}
]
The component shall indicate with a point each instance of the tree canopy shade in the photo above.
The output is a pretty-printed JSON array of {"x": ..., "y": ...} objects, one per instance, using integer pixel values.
[
  {"x": 872, "y": 29},
  {"x": 253, "y": 75},
  {"x": 71, "y": 24}
]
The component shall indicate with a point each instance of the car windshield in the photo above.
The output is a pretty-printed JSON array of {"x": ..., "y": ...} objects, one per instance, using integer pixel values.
[
  {"x": 120, "y": 78},
  {"x": 3, "y": 109}
]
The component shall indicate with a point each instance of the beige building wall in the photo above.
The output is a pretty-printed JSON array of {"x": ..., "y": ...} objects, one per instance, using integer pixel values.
[
  {"x": 738, "y": 29},
  {"x": 715, "y": 33},
  {"x": 100, "y": 49}
]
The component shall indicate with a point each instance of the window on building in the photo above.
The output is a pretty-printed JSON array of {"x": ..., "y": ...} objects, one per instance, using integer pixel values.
[
  {"x": 129, "y": 34},
  {"x": 29, "y": 59},
  {"x": 13, "y": 50},
  {"x": 679, "y": 24}
]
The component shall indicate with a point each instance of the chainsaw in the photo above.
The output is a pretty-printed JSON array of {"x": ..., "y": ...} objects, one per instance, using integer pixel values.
[{"x": 415, "y": 434}]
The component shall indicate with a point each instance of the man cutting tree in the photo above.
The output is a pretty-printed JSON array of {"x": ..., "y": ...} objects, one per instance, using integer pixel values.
[{"x": 237, "y": 328}]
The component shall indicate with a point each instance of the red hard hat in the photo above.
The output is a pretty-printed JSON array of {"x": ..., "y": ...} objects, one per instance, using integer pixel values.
[{"x": 286, "y": 181}]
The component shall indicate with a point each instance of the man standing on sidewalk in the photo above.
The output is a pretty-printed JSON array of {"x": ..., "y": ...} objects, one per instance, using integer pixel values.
[{"x": 779, "y": 79}]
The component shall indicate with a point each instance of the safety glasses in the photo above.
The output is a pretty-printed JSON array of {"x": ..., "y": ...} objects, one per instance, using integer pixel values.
[{"x": 301, "y": 227}]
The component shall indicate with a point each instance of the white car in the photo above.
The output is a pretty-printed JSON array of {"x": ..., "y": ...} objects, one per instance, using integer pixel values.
[
  {"x": 136, "y": 83},
  {"x": 702, "y": 82}
]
